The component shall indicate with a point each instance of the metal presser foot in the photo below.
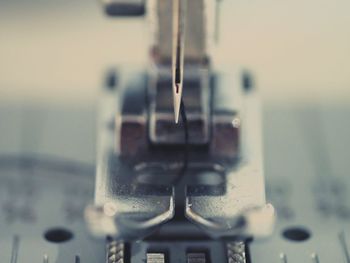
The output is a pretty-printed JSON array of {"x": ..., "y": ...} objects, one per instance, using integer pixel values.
[{"x": 198, "y": 183}]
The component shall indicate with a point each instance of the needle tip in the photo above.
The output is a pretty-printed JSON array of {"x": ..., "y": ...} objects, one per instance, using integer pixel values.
[
  {"x": 177, "y": 100},
  {"x": 177, "y": 108}
]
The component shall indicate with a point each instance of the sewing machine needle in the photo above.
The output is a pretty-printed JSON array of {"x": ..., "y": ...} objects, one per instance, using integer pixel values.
[{"x": 178, "y": 53}]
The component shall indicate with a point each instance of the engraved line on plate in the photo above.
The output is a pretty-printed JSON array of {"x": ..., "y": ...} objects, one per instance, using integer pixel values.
[
  {"x": 45, "y": 258},
  {"x": 344, "y": 246},
  {"x": 314, "y": 257},
  {"x": 283, "y": 257},
  {"x": 15, "y": 247}
]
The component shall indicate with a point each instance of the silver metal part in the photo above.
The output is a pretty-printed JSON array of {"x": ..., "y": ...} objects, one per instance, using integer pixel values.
[
  {"x": 114, "y": 251},
  {"x": 41, "y": 200},
  {"x": 155, "y": 258},
  {"x": 178, "y": 46},
  {"x": 312, "y": 197},
  {"x": 181, "y": 36},
  {"x": 124, "y": 204},
  {"x": 241, "y": 209},
  {"x": 309, "y": 190},
  {"x": 236, "y": 252},
  {"x": 163, "y": 130},
  {"x": 195, "y": 33},
  {"x": 224, "y": 180}
]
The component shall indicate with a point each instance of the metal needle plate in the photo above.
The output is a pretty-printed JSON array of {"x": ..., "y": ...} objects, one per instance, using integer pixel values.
[{"x": 306, "y": 165}]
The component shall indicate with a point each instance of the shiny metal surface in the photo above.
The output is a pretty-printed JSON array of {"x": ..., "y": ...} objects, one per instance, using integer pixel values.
[
  {"x": 308, "y": 186},
  {"x": 236, "y": 252},
  {"x": 195, "y": 32},
  {"x": 115, "y": 251},
  {"x": 41, "y": 200},
  {"x": 241, "y": 210},
  {"x": 129, "y": 182},
  {"x": 124, "y": 204},
  {"x": 155, "y": 258},
  {"x": 301, "y": 174},
  {"x": 162, "y": 129},
  {"x": 179, "y": 11}
]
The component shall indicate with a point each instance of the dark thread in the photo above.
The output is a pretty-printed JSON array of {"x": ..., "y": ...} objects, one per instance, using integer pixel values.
[
  {"x": 186, "y": 144},
  {"x": 177, "y": 75}
]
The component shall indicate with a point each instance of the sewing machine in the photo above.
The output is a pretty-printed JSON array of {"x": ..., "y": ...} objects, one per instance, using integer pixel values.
[
  {"x": 179, "y": 173},
  {"x": 160, "y": 178}
]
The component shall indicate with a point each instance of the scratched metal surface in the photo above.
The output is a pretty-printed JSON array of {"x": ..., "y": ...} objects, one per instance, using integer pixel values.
[
  {"x": 306, "y": 160},
  {"x": 37, "y": 196},
  {"x": 307, "y": 167}
]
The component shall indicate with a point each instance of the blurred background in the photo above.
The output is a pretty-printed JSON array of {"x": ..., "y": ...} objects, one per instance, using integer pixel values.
[
  {"x": 58, "y": 50},
  {"x": 54, "y": 56}
]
